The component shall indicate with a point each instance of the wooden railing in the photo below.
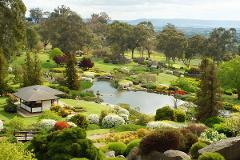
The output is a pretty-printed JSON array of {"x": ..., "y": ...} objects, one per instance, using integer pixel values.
[{"x": 24, "y": 136}]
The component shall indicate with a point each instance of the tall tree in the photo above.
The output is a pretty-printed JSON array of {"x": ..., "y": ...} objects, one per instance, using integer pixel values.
[
  {"x": 31, "y": 70},
  {"x": 71, "y": 72},
  {"x": 229, "y": 75},
  {"x": 195, "y": 46},
  {"x": 36, "y": 14},
  {"x": 171, "y": 42},
  {"x": 32, "y": 38},
  {"x": 65, "y": 30},
  {"x": 209, "y": 95},
  {"x": 118, "y": 37},
  {"x": 220, "y": 42},
  {"x": 12, "y": 26},
  {"x": 3, "y": 74}
]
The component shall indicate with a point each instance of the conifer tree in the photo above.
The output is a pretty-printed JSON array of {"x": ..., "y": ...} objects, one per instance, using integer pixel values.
[
  {"x": 209, "y": 95},
  {"x": 3, "y": 73},
  {"x": 31, "y": 71},
  {"x": 71, "y": 73}
]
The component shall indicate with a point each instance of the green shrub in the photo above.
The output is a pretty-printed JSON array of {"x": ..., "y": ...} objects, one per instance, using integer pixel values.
[
  {"x": 210, "y": 122},
  {"x": 225, "y": 129},
  {"x": 195, "y": 148},
  {"x": 16, "y": 124},
  {"x": 227, "y": 106},
  {"x": 211, "y": 156},
  {"x": 127, "y": 127},
  {"x": 186, "y": 84},
  {"x": 85, "y": 84},
  {"x": 118, "y": 147},
  {"x": 10, "y": 108},
  {"x": 211, "y": 136},
  {"x": 132, "y": 145},
  {"x": 65, "y": 144},
  {"x": 49, "y": 115},
  {"x": 80, "y": 120},
  {"x": 165, "y": 113},
  {"x": 161, "y": 141},
  {"x": 180, "y": 115},
  {"x": 189, "y": 139}
]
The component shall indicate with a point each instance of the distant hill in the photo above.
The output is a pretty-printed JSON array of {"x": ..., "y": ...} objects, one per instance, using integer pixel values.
[
  {"x": 193, "y": 23},
  {"x": 191, "y": 26}
]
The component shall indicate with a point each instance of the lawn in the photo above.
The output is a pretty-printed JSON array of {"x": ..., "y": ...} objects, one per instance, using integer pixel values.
[
  {"x": 90, "y": 107},
  {"x": 166, "y": 79}
]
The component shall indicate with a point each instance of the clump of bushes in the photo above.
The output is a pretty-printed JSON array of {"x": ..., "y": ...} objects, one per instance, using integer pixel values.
[
  {"x": 210, "y": 122},
  {"x": 80, "y": 120},
  {"x": 196, "y": 128},
  {"x": 64, "y": 144},
  {"x": 10, "y": 108},
  {"x": 93, "y": 118},
  {"x": 195, "y": 148},
  {"x": 167, "y": 113},
  {"x": 49, "y": 115},
  {"x": 211, "y": 156},
  {"x": 118, "y": 147},
  {"x": 61, "y": 125},
  {"x": 112, "y": 120},
  {"x": 161, "y": 141},
  {"x": 187, "y": 84},
  {"x": 86, "y": 63},
  {"x": 211, "y": 136}
]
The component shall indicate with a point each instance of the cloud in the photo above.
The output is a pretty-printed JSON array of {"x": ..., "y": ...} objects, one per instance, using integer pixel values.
[{"x": 134, "y": 9}]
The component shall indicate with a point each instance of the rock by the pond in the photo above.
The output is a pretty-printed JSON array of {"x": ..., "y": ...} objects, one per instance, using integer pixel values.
[
  {"x": 176, "y": 155},
  {"x": 87, "y": 79},
  {"x": 110, "y": 154},
  {"x": 229, "y": 148},
  {"x": 125, "y": 83}
]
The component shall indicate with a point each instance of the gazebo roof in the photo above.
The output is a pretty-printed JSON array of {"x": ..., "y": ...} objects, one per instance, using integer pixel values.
[{"x": 37, "y": 93}]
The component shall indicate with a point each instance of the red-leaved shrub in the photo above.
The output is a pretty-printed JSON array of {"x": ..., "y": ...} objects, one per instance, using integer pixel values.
[{"x": 61, "y": 125}]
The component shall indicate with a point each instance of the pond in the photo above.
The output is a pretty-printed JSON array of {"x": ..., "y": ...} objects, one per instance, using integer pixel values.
[{"x": 147, "y": 102}]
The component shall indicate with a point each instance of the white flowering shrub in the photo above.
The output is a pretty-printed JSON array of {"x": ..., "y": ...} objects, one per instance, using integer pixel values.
[
  {"x": 119, "y": 110},
  {"x": 124, "y": 116},
  {"x": 93, "y": 118},
  {"x": 47, "y": 123},
  {"x": 71, "y": 124},
  {"x": 112, "y": 120},
  {"x": 164, "y": 124},
  {"x": 1, "y": 125},
  {"x": 211, "y": 136},
  {"x": 69, "y": 117}
]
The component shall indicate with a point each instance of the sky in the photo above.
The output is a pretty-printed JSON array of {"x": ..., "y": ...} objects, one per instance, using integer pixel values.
[{"x": 136, "y": 9}]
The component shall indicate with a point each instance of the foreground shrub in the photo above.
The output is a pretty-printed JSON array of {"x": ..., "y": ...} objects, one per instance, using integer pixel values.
[
  {"x": 131, "y": 145},
  {"x": 61, "y": 125},
  {"x": 225, "y": 129},
  {"x": 64, "y": 145},
  {"x": 195, "y": 148},
  {"x": 13, "y": 151},
  {"x": 165, "y": 113},
  {"x": 211, "y": 156},
  {"x": 80, "y": 120},
  {"x": 188, "y": 140},
  {"x": 160, "y": 141},
  {"x": 180, "y": 115},
  {"x": 118, "y": 147},
  {"x": 112, "y": 120}
]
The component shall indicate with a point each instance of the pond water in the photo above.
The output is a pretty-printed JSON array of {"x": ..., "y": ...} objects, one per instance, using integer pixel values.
[{"x": 147, "y": 102}]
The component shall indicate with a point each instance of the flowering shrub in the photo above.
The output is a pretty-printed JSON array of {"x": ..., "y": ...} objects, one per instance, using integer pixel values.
[
  {"x": 61, "y": 125},
  {"x": 112, "y": 120},
  {"x": 124, "y": 116},
  {"x": 142, "y": 132},
  {"x": 236, "y": 108},
  {"x": 1, "y": 125},
  {"x": 164, "y": 124},
  {"x": 211, "y": 136},
  {"x": 47, "y": 123},
  {"x": 93, "y": 118},
  {"x": 71, "y": 124}
]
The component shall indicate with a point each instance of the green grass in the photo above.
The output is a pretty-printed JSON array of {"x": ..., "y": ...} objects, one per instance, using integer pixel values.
[
  {"x": 166, "y": 79},
  {"x": 90, "y": 107}
]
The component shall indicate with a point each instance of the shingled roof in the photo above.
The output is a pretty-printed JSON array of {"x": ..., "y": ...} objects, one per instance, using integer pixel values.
[{"x": 37, "y": 93}]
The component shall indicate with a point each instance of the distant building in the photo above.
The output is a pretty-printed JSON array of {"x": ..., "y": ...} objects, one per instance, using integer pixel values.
[{"x": 36, "y": 99}]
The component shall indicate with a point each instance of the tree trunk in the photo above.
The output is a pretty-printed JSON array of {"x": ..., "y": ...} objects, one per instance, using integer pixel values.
[
  {"x": 132, "y": 53},
  {"x": 238, "y": 92}
]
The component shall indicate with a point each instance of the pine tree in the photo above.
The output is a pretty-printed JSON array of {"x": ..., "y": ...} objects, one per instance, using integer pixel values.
[
  {"x": 3, "y": 74},
  {"x": 209, "y": 96},
  {"x": 71, "y": 73},
  {"x": 31, "y": 71}
]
